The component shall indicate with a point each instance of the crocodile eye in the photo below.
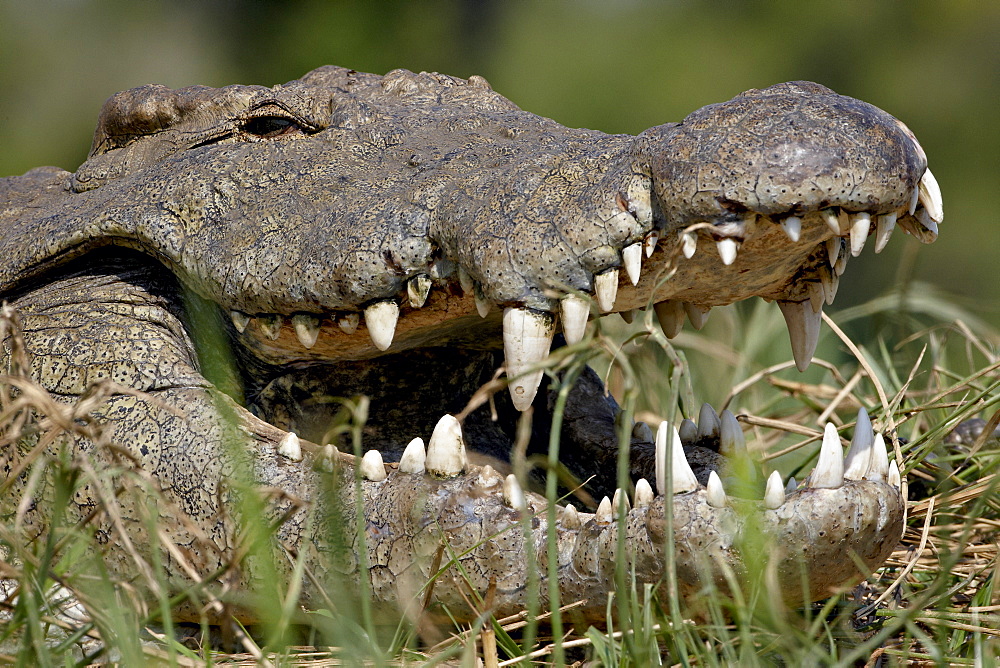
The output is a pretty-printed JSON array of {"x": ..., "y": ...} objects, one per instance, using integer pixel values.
[{"x": 268, "y": 127}]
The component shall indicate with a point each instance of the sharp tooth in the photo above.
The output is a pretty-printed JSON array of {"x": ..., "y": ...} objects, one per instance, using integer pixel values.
[
  {"x": 574, "y": 317},
  {"x": 349, "y": 323},
  {"x": 689, "y": 244},
  {"x": 831, "y": 284},
  {"x": 727, "y": 250},
  {"x": 930, "y": 231},
  {"x": 930, "y": 196},
  {"x": 240, "y": 320},
  {"x": 879, "y": 466},
  {"x": 570, "y": 518},
  {"x": 670, "y": 315},
  {"x": 660, "y": 458},
  {"x": 417, "y": 289},
  {"x": 527, "y": 338},
  {"x": 858, "y": 458},
  {"x": 914, "y": 198},
  {"x": 306, "y": 328},
  {"x": 627, "y": 316},
  {"x": 632, "y": 258},
  {"x": 619, "y": 498},
  {"x": 817, "y": 295},
  {"x": 884, "y": 225},
  {"x": 697, "y": 315},
  {"x": 894, "y": 478},
  {"x": 483, "y": 305},
  {"x": 488, "y": 477},
  {"x": 832, "y": 250},
  {"x": 791, "y": 486},
  {"x": 860, "y": 226},
  {"x": 709, "y": 425},
  {"x": 464, "y": 280},
  {"x": 381, "y": 318},
  {"x": 290, "y": 448},
  {"x": 715, "y": 494},
  {"x": 841, "y": 265},
  {"x": 792, "y": 225},
  {"x": 774, "y": 493},
  {"x": 649, "y": 244},
  {"x": 446, "y": 451},
  {"x": 731, "y": 439},
  {"x": 270, "y": 325},
  {"x": 803, "y": 330},
  {"x": 606, "y": 289},
  {"x": 643, "y": 493},
  {"x": 683, "y": 476},
  {"x": 513, "y": 495},
  {"x": 829, "y": 471},
  {"x": 605, "y": 515},
  {"x": 372, "y": 467},
  {"x": 414, "y": 457},
  {"x": 642, "y": 432},
  {"x": 830, "y": 217},
  {"x": 688, "y": 431}
]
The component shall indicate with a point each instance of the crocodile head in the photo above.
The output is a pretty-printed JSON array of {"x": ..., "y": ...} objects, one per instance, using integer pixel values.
[{"x": 403, "y": 236}]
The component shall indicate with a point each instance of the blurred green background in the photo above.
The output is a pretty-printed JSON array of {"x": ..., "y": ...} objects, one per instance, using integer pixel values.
[{"x": 617, "y": 66}]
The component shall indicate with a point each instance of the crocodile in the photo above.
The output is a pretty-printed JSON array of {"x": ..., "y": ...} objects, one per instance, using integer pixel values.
[{"x": 383, "y": 245}]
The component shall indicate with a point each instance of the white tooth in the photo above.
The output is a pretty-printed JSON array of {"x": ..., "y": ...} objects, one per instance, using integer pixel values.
[
  {"x": 513, "y": 495},
  {"x": 858, "y": 458},
  {"x": 860, "y": 225},
  {"x": 683, "y": 476},
  {"x": 829, "y": 471},
  {"x": 270, "y": 325},
  {"x": 632, "y": 259},
  {"x": 792, "y": 225},
  {"x": 832, "y": 250},
  {"x": 620, "y": 498},
  {"x": 791, "y": 486},
  {"x": 464, "y": 280},
  {"x": 290, "y": 448},
  {"x": 381, "y": 319},
  {"x": 574, "y": 317},
  {"x": 731, "y": 438},
  {"x": 488, "y": 476},
  {"x": 349, "y": 323},
  {"x": 803, "y": 331},
  {"x": 306, "y": 329},
  {"x": 660, "y": 458},
  {"x": 643, "y": 493},
  {"x": 650, "y": 243},
  {"x": 774, "y": 493},
  {"x": 527, "y": 338},
  {"x": 446, "y": 456},
  {"x": 240, "y": 320},
  {"x": 688, "y": 431},
  {"x": 817, "y": 296},
  {"x": 709, "y": 425},
  {"x": 642, "y": 432},
  {"x": 830, "y": 284},
  {"x": 689, "y": 244},
  {"x": 884, "y": 225},
  {"x": 894, "y": 478},
  {"x": 414, "y": 457},
  {"x": 930, "y": 196},
  {"x": 697, "y": 315},
  {"x": 715, "y": 494},
  {"x": 841, "y": 265},
  {"x": 417, "y": 289},
  {"x": 914, "y": 198},
  {"x": 924, "y": 219},
  {"x": 727, "y": 250},
  {"x": 570, "y": 518},
  {"x": 670, "y": 315},
  {"x": 879, "y": 466},
  {"x": 831, "y": 219},
  {"x": 605, "y": 515},
  {"x": 606, "y": 289},
  {"x": 372, "y": 467},
  {"x": 483, "y": 305}
]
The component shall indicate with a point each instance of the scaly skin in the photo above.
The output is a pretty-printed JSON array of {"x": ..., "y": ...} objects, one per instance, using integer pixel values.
[{"x": 285, "y": 213}]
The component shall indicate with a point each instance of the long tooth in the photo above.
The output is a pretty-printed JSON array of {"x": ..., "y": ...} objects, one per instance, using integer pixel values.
[
  {"x": 841, "y": 264},
  {"x": 446, "y": 456},
  {"x": 817, "y": 295},
  {"x": 731, "y": 438},
  {"x": 290, "y": 448},
  {"x": 792, "y": 485},
  {"x": 642, "y": 432},
  {"x": 829, "y": 471},
  {"x": 688, "y": 431},
  {"x": 414, "y": 457},
  {"x": 860, "y": 225},
  {"x": 930, "y": 196},
  {"x": 643, "y": 493},
  {"x": 683, "y": 476},
  {"x": 372, "y": 467},
  {"x": 697, "y": 315},
  {"x": 859, "y": 456},
  {"x": 240, "y": 320},
  {"x": 660, "y": 458},
  {"x": 831, "y": 284},
  {"x": 833, "y": 251},
  {"x": 879, "y": 466},
  {"x": 670, "y": 315},
  {"x": 606, "y": 289},
  {"x": 574, "y": 311},
  {"x": 649, "y": 244},
  {"x": 349, "y": 322},
  {"x": 417, "y": 289},
  {"x": 884, "y": 225},
  {"x": 894, "y": 478},
  {"x": 527, "y": 338},
  {"x": 689, "y": 244},
  {"x": 381, "y": 319},
  {"x": 270, "y": 325},
  {"x": 605, "y": 514},
  {"x": 727, "y": 250},
  {"x": 709, "y": 425},
  {"x": 830, "y": 217},
  {"x": 483, "y": 305},
  {"x": 632, "y": 258},
  {"x": 914, "y": 198},
  {"x": 774, "y": 493},
  {"x": 620, "y": 498},
  {"x": 803, "y": 330},
  {"x": 792, "y": 225},
  {"x": 306, "y": 328},
  {"x": 464, "y": 280},
  {"x": 570, "y": 518},
  {"x": 513, "y": 495},
  {"x": 715, "y": 494}
]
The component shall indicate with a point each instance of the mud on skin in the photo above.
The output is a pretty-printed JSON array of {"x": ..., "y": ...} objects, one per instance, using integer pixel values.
[{"x": 402, "y": 237}]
